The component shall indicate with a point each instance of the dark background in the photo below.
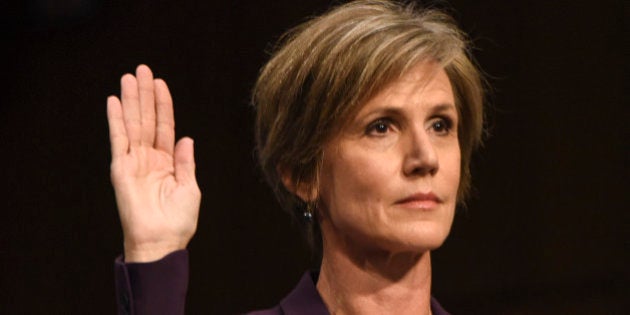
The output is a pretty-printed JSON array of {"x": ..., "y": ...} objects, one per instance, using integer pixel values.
[{"x": 545, "y": 234}]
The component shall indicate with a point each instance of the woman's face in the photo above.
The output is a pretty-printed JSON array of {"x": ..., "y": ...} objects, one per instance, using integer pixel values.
[{"x": 389, "y": 181}]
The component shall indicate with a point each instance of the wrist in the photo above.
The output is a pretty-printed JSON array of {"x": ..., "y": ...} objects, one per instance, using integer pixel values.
[{"x": 149, "y": 252}]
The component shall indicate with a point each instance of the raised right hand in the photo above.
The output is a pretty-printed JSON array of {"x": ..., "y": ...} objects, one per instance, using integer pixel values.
[{"x": 154, "y": 179}]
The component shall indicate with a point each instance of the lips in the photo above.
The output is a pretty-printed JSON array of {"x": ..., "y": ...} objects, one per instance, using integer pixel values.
[{"x": 423, "y": 201}]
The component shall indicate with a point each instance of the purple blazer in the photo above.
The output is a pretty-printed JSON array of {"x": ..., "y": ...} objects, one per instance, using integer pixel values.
[{"x": 160, "y": 288}]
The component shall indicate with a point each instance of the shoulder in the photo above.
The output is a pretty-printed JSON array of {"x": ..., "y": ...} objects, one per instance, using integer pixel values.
[
  {"x": 271, "y": 311},
  {"x": 303, "y": 299},
  {"x": 436, "y": 308}
]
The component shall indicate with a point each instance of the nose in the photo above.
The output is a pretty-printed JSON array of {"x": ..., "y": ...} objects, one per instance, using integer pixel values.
[{"x": 420, "y": 156}]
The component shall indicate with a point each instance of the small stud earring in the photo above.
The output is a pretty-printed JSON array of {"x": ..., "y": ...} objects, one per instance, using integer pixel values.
[{"x": 308, "y": 212}]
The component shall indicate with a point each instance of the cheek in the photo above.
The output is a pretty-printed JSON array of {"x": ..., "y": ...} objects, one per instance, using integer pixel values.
[
  {"x": 355, "y": 185},
  {"x": 450, "y": 168}
]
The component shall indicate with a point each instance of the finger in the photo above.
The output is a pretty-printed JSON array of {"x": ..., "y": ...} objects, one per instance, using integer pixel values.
[
  {"x": 185, "y": 161},
  {"x": 131, "y": 109},
  {"x": 117, "y": 132},
  {"x": 147, "y": 104},
  {"x": 165, "y": 128}
]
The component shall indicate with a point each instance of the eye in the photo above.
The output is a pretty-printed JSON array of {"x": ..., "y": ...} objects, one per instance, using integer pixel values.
[
  {"x": 441, "y": 125},
  {"x": 379, "y": 127}
]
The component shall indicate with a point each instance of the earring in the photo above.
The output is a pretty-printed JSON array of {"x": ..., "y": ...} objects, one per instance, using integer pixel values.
[{"x": 308, "y": 212}]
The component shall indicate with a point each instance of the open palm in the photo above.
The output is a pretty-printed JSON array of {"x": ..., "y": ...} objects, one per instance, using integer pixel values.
[{"x": 154, "y": 179}]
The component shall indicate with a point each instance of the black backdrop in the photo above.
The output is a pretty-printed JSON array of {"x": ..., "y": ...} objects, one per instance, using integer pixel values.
[{"x": 546, "y": 233}]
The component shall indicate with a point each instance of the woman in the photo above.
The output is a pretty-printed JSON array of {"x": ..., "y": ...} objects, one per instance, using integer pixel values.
[{"x": 366, "y": 120}]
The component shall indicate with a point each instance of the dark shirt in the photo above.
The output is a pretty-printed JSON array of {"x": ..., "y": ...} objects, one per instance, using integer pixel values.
[{"x": 160, "y": 288}]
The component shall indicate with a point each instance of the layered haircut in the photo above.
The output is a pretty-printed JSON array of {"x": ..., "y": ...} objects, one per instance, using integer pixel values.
[{"x": 322, "y": 72}]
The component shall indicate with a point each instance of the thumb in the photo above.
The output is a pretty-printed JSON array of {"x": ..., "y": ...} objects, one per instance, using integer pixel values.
[{"x": 185, "y": 161}]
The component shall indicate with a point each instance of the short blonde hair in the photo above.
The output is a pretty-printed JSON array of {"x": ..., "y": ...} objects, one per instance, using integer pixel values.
[{"x": 325, "y": 69}]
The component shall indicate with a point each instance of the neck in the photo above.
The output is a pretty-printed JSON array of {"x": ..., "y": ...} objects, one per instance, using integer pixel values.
[{"x": 359, "y": 281}]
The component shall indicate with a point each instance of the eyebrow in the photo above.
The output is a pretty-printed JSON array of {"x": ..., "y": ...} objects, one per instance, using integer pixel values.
[
  {"x": 444, "y": 107},
  {"x": 393, "y": 110}
]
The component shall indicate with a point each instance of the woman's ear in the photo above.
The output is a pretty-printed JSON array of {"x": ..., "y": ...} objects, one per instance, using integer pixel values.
[{"x": 304, "y": 191}]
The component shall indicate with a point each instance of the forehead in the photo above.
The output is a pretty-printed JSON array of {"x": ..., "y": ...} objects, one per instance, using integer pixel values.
[{"x": 422, "y": 86}]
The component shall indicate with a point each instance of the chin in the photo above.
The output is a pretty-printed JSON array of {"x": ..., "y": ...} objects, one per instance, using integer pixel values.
[
  {"x": 425, "y": 244},
  {"x": 419, "y": 239}
]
